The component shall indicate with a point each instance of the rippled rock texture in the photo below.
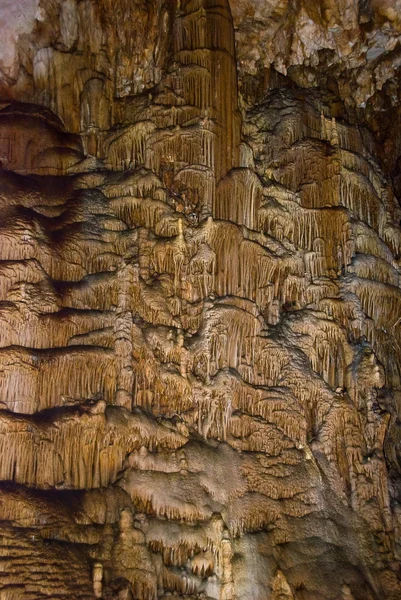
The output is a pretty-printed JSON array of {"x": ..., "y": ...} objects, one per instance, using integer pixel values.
[{"x": 200, "y": 310}]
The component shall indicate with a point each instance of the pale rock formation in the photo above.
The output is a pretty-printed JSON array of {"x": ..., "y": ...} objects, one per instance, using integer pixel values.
[{"x": 200, "y": 305}]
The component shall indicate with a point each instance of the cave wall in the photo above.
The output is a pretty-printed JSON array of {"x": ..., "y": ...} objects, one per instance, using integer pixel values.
[{"x": 200, "y": 302}]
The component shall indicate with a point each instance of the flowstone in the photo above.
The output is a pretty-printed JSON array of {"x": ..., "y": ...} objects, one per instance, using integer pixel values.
[{"x": 200, "y": 306}]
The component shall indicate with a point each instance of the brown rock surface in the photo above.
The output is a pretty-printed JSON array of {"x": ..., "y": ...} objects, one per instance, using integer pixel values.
[{"x": 200, "y": 300}]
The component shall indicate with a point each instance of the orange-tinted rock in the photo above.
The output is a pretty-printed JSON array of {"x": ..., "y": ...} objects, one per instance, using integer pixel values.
[{"x": 200, "y": 302}]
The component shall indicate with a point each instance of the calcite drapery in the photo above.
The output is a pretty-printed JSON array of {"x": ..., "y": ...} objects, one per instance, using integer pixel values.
[{"x": 200, "y": 313}]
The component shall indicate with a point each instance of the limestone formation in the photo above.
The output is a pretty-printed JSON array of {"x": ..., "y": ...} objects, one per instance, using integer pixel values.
[{"x": 200, "y": 311}]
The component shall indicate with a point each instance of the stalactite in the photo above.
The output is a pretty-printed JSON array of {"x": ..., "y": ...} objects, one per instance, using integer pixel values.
[
  {"x": 358, "y": 196},
  {"x": 35, "y": 384},
  {"x": 246, "y": 189},
  {"x": 325, "y": 235},
  {"x": 127, "y": 149},
  {"x": 199, "y": 309}
]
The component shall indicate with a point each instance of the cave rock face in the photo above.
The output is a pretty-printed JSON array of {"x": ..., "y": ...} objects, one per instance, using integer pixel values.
[{"x": 200, "y": 310}]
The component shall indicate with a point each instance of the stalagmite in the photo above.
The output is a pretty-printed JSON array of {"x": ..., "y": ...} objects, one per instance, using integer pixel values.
[{"x": 97, "y": 579}]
